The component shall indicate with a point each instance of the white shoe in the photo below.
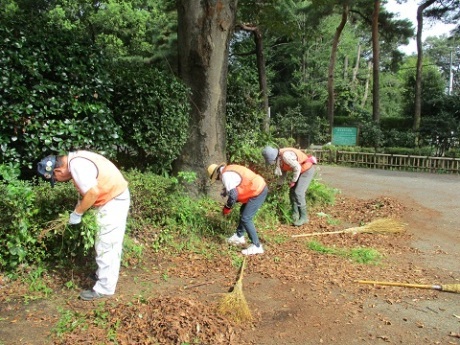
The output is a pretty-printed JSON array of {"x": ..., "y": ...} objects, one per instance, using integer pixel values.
[
  {"x": 253, "y": 249},
  {"x": 236, "y": 241}
]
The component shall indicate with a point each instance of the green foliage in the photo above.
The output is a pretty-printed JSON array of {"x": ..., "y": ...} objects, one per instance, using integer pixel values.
[
  {"x": 55, "y": 95},
  {"x": 150, "y": 108},
  {"x": 17, "y": 211},
  {"x": 306, "y": 127},
  {"x": 163, "y": 214},
  {"x": 243, "y": 113},
  {"x": 433, "y": 86},
  {"x": 319, "y": 194},
  {"x": 371, "y": 135},
  {"x": 359, "y": 255}
]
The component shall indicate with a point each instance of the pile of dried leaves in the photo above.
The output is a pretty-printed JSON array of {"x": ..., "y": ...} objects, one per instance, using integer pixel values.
[{"x": 163, "y": 320}]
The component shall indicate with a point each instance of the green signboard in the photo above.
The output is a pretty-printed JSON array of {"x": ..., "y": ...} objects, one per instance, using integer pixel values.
[{"x": 344, "y": 136}]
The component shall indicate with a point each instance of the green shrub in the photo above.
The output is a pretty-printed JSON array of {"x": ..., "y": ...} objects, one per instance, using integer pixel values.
[
  {"x": 152, "y": 109},
  {"x": 55, "y": 95},
  {"x": 17, "y": 211}
]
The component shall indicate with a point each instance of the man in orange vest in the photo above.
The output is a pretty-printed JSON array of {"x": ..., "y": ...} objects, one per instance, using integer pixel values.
[
  {"x": 102, "y": 186},
  {"x": 244, "y": 186},
  {"x": 302, "y": 167}
]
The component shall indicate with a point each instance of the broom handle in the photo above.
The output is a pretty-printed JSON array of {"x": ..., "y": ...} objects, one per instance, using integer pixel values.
[
  {"x": 243, "y": 264},
  {"x": 320, "y": 233},
  {"x": 420, "y": 286}
]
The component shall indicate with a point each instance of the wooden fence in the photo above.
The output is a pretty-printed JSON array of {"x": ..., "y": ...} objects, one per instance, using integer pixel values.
[{"x": 389, "y": 161}]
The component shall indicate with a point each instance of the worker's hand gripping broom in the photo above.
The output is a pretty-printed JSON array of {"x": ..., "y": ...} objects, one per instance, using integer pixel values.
[
  {"x": 233, "y": 304},
  {"x": 446, "y": 287}
]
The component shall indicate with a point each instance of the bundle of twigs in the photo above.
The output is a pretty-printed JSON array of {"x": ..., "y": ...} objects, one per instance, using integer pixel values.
[
  {"x": 446, "y": 287},
  {"x": 233, "y": 304},
  {"x": 378, "y": 226},
  {"x": 55, "y": 226}
]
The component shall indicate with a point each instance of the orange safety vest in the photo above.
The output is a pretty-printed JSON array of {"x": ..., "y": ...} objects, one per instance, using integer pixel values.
[
  {"x": 110, "y": 181},
  {"x": 251, "y": 184},
  {"x": 304, "y": 160}
]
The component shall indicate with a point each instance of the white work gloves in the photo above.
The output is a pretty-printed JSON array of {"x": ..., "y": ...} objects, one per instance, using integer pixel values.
[{"x": 75, "y": 218}]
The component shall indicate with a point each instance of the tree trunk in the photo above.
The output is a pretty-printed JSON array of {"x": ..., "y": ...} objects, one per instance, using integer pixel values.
[
  {"x": 356, "y": 69},
  {"x": 366, "y": 88},
  {"x": 345, "y": 69},
  {"x": 376, "y": 63},
  {"x": 204, "y": 31},
  {"x": 418, "y": 77},
  {"x": 260, "y": 57},
  {"x": 355, "y": 74},
  {"x": 330, "y": 81}
]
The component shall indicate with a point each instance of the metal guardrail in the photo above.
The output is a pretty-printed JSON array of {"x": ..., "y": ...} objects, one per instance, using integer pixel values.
[{"x": 389, "y": 161}]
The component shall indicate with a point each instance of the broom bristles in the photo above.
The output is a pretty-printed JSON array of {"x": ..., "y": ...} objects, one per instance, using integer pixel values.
[
  {"x": 379, "y": 226},
  {"x": 451, "y": 288},
  {"x": 234, "y": 304}
]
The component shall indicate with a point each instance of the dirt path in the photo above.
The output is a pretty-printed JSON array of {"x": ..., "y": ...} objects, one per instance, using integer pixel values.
[
  {"x": 434, "y": 201},
  {"x": 434, "y": 220}
]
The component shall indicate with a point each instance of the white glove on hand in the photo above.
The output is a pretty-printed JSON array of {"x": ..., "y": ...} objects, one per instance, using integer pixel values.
[{"x": 75, "y": 218}]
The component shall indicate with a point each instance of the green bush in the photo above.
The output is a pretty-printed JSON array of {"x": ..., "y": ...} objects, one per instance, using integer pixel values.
[
  {"x": 55, "y": 96},
  {"x": 152, "y": 109},
  {"x": 17, "y": 211}
]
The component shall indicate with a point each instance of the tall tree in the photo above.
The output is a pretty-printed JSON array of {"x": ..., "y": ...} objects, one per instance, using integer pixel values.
[
  {"x": 260, "y": 57},
  {"x": 204, "y": 31},
  {"x": 376, "y": 63},
  {"x": 418, "y": 78},
  {"x": 332, "y": 61}
]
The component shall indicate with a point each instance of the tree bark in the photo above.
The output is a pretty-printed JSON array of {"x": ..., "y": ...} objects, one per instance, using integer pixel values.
[
  {"x": 204, "y": 31},
  {"x": 418, "y": 76},
  {"x": 332, "y": 61},
  {"x": 376, "y": 63}
]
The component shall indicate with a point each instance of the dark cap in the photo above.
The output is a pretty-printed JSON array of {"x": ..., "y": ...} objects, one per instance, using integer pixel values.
[{"x": 46, "y": 167}]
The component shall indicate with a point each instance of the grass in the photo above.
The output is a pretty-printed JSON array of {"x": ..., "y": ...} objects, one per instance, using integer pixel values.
[{"x": 359, "y": 255}]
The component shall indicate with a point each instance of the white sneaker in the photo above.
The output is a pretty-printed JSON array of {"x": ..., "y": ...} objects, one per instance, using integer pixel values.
[
  {"x": 252, "y": 250},
  {"x": 236, "y": 241}
]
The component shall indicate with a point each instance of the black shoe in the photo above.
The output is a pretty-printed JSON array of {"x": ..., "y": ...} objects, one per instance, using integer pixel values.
[
  {"x": 90, "y": 295},
  {"x": 93, "y": 277}
]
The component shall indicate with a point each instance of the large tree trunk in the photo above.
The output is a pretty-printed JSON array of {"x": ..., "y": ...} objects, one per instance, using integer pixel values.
[
  {"x": 418, "y": 77},
  {"x": 204, "y": 31},
  {"x": 376, "y": 63},
  {"x": 332, "y": 61},
  {"x": 260, "y": 57}
]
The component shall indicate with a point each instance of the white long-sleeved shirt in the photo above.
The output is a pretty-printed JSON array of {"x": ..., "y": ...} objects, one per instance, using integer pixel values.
[{"x": 290, "y": 158}]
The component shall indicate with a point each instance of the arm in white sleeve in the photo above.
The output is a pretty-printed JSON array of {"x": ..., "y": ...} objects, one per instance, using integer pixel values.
[{"x": 290, "y": 158}]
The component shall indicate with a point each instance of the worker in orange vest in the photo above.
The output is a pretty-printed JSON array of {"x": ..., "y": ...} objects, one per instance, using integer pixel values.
[
  {"x": 250, "y": 189},
  {"x": 302, "y": 167},
  {"x": 103, "y": 187}
]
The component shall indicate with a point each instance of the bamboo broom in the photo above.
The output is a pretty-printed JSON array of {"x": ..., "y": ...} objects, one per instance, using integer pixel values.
[
  {"x": 446, "y": 287},
  {"x": 378, "y": 226},
  {"x": 234, "y": 304}
]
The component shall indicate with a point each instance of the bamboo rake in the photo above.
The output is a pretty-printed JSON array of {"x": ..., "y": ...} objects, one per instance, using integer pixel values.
[
  {"x": 378, "y": 226},
  {"x": 455, "y": 288}
]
